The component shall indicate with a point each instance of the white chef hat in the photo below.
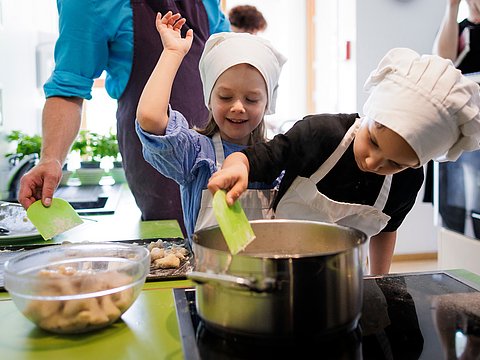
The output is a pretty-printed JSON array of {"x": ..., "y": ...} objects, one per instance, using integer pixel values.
[
  {"x": 427, "y": 101},
  {"x": 224, "y": 50}
]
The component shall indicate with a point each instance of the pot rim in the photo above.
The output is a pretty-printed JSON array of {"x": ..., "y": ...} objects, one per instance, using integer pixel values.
[{"x": 362, "y": 238}]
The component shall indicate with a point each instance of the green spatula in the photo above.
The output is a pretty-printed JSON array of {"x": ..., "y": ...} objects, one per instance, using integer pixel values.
[
  {"x": 59, "y": 217},
  {"x": 233, "y": 223}
]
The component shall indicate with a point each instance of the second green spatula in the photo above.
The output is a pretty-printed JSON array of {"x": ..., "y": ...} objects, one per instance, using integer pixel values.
[
  {"x": 59, "y": 217},
  {"x": 233, "y": 223}
]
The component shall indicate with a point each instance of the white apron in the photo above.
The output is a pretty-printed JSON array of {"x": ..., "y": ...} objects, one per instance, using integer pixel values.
[
  {"x": 255, "y": 203},
  {"x": 303, "y": 201}
]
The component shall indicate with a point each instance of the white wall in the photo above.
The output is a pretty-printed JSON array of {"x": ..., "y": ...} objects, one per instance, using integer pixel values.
[
  {"x": 385, "y": 24},
  {"x": 287, "y": 32},
  {"x": 335, "y": 26},
  {"x": 25, "y": 24}
]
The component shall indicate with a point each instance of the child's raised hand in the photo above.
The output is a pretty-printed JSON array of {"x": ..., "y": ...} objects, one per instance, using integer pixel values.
[{"x": 169, "y": 26}]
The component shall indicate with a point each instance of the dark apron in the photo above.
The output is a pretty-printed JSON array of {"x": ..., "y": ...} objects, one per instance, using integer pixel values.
[{"x": 158, "y": 197}]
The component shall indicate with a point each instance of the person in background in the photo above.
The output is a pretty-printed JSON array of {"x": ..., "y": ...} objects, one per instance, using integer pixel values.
[
  {"x": 119, "y": 37},
  {"x": 460, "y": 42},
  {"x": 365, "y": 172},
  {"x": 246, "y": 18},
  {"x": 240, "y": 74}
]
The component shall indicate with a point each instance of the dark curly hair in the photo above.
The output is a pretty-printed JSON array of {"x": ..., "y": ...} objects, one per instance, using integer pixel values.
[{"x": 247, "y": 18}]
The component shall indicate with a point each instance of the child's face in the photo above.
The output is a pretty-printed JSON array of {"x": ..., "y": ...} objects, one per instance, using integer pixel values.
[
  {"x": 238, "y": 102},
  {"x": 382, "y": 151}
]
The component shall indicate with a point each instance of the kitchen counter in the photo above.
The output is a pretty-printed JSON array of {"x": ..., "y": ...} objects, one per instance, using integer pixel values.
[
  {"x": 124, "y": 224},
  {"x": 148, "y": 330}
]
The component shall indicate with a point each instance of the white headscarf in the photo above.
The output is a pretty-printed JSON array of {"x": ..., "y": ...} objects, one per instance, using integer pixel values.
[
  {"x": 224, "y": 50},
  {"x": 427, "y": 101}
]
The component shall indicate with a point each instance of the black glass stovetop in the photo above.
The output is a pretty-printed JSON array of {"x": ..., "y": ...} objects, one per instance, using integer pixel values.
[{"x": 406, "y": 316}]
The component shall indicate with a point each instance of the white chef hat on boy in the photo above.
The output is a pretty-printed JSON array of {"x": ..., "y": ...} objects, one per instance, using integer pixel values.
[
  {"x": 427, "y": 101},
  {"x": 224, "y": 50}
]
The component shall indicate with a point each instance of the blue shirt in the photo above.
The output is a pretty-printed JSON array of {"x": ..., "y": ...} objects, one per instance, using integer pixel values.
[
  {"x": 98, "y": 35},
  {"x": 187, "y": 157}
]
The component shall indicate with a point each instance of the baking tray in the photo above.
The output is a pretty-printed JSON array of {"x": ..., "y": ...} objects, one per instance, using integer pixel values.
[{"x": 8, "y": 251}]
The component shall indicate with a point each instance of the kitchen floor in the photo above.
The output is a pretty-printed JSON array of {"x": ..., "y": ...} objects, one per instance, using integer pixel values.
[{"x": 406, "y": 266}]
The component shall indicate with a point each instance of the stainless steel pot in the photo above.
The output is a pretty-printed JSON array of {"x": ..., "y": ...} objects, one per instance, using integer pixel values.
[{"x": 296, "y": 278}]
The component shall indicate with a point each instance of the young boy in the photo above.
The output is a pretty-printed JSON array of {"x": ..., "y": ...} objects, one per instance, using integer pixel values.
[{"x": 365, "y": 172}]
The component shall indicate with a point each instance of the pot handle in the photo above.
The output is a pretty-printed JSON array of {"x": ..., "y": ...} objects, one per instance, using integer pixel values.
[{"x": 240, "y": 283}]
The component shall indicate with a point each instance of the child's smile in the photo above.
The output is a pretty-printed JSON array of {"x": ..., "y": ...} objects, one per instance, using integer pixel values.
[{"x": 238, "y": 102}]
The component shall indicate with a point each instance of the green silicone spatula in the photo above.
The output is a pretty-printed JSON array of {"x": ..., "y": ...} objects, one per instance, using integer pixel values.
[
  {"x": 59, "y": 217},
  {"x": 233, "y": 223}
]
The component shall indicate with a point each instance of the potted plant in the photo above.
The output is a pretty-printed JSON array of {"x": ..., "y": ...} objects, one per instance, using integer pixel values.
[
  {"x": 86, "y": 145},
  {"x": 25, "y": 145},
  {"x": 20, "y": 152},
  {"x": 107, "y": 146},
  {"x": 30, "y": 146}
]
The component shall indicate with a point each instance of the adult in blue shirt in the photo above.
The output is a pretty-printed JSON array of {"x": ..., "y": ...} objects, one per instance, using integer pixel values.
[{"x": 118, "y": 36}]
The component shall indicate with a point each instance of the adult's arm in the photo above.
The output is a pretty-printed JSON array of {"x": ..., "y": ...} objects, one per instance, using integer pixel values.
[
  {"x": 446, "y": 42},
  {"x": 60, "y": 124},
  {"x": 217, "y": 20},
  {"x": 381, "y": 250}
]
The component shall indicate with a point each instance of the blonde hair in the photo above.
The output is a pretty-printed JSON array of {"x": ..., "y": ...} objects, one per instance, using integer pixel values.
[{"x": 256, "y": 136}]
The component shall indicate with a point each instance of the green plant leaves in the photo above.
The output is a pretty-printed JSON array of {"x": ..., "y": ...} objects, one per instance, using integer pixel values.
[
  {"x": 26, "y": 144},
  {"x": 93, "y": 146}
]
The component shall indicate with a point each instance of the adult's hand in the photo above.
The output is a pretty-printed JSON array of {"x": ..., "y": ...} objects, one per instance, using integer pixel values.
[
  {"x": 61, "y": 121},
  {"x": 40, "y": 183}
]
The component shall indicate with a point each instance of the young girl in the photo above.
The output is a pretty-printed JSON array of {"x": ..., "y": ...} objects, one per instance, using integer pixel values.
[
  {"x": 239, "y": 73},
  {"x": 366, "y": 172}
]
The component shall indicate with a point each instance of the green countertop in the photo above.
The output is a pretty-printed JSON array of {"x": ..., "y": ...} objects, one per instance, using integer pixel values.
[
  {"x": 148, "y": 330},
  {"x": 124, "y": 224}
]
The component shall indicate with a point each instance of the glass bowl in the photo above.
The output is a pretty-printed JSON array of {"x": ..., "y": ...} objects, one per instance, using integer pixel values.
[{"x": 79, "y": 287}]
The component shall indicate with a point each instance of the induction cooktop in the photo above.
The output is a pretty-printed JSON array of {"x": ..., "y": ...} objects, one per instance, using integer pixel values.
[{"x": 404, "y": 316}]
